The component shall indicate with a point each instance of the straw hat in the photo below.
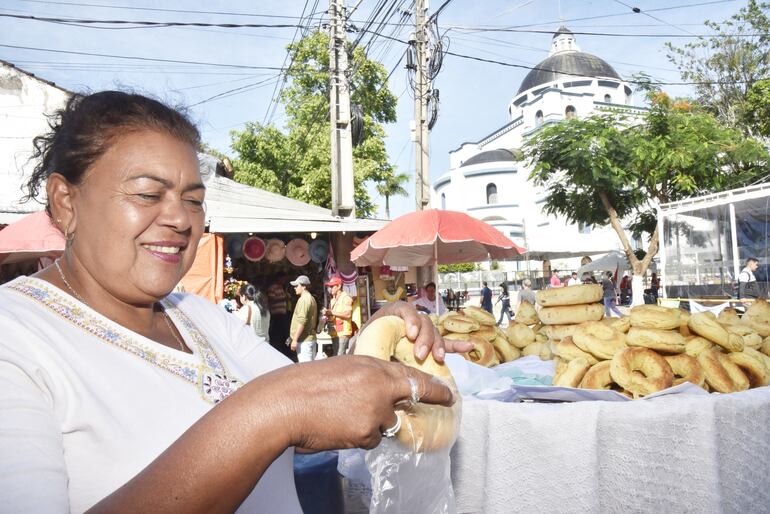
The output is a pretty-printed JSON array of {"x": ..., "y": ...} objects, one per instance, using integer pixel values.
[
  {"x": 276, "y": 250},
  {"x": 253, "y": 249},
  {"x": 319, "y": 251},
  {"x": 297, "y": 252}
]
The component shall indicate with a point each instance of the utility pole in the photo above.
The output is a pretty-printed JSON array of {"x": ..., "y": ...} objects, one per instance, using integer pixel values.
[
  {"x": 343, "y": 202},
  {"x": 421, "y": 172}
]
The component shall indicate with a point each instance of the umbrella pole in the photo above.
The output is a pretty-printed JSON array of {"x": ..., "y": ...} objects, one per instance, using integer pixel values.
[{"x": 435, "y": 267}]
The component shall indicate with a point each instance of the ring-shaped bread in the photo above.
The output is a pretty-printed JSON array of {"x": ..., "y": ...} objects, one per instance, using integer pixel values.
[
  {"x": 558, "y": 332},
  {"x": 667, "y": 341},
  {"x": 568, "y": 351},
  {"x": 572, "y": 374},
  {"x": 424, "y": 427},
  {"x": 486, "y": 332},
  {"x": 728, "y": 316},
  {"x": 572, "y": 295},
  {"x": 641, "y": 371},
  {"x": 571, "y": 314},
  {"x": 483, "y": 316},
  {"x": 621, "y": 324},
  {"x": 686, "y": 369},
  {"x": 753, "y": 367},
  {"x": 483, "y": 353},
  {"x": 526, "y": 314},
  {"x": 460, "y": 324},
  {"x": 705, "y": 325},
  {"x": 599, "y": 339},
  {"x": 598, "y": 377},
  {"x": 505, "y": 351},
  {"x": 722, "y": 374},
  {"x": 533, "y": 349},
  {"x": 655, "y": 316},
  {"x": 520, "y": 335},
  {"x": 696, "y": 344}
]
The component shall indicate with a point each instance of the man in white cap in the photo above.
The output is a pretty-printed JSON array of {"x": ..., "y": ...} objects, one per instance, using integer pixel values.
[{"x": 303, "y": 321}]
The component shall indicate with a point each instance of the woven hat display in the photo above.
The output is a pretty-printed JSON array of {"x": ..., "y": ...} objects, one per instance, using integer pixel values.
[
  {"x": 253, "y": 249},
  {"x": 276, "y": 250},
  {"x": 234, "y": 246},
  {"x": 319, "y": 251},
  {"x": 297, "y": 252}
]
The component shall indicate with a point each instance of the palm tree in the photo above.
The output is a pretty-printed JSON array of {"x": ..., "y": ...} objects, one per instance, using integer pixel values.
[{"x": 391, "y": 185}]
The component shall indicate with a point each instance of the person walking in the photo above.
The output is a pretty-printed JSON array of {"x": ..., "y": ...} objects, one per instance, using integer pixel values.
[
  {"x": 341, "y": 312},
  {"x": 526, "y": 294},
  {"x": 486, "y": 297},
  {"x": 255, "y": 310},
  {"x": 505, "y": 299},
  {"x": 747, "y": 282},
  {"x": 303, "y": 321},
  {"x": 610, "y": 296}
]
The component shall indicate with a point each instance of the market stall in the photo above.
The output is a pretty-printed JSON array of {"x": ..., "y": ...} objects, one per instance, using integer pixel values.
[{"x": 268, "y": 240}]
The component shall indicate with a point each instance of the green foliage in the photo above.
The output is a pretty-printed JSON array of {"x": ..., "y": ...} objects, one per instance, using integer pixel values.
[
  {"x": 494, "y": 265},
  {"x": 463, "y": 267},
  {"x": 603, "y": 167},
  {"x": 758, "y": 107},
  {"x": 296, "y": 161},
  {"x": 392, "y": 185},
  {"x": 725, "y": 66}
]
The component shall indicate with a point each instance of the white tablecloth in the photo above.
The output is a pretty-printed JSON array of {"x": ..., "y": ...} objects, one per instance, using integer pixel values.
[{"x": 671, "y": 454}]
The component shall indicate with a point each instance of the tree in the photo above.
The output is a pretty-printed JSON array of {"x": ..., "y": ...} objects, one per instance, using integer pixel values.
[
  {"x": 296, "y": 161},
  {"x": 758, "y": 107},
  {"x": 725, "y": 66},
  {"x": 463, "y": 267},
  {"x": 392, "y": 186},
  {"x": 610, "y": 169}
]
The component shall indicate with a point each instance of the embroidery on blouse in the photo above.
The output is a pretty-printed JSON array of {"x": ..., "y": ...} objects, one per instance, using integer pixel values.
[{"x": 210, "y": 377}]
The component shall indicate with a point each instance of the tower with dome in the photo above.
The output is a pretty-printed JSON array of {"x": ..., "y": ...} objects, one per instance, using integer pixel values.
[{"x": 489, "y": 178}]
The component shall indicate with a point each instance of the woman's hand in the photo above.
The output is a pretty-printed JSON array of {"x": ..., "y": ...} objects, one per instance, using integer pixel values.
[
  {"x": 420, "y": 330},
  {"x": 346, "y": 401}
]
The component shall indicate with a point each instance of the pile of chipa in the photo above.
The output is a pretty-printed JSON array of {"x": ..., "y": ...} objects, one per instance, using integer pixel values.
[
  {"x": 657, "y": 347},
  {"x": 474, "y": 324}
]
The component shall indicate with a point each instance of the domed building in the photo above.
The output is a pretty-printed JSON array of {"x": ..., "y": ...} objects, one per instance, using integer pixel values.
[{"x": 488, "y": 178}]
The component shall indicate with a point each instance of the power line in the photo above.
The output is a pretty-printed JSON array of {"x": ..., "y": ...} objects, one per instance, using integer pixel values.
[
  {"x": 659, "y": 83},
  {"x": 139, "y": 58},
  {"x": 140, "y": 23},
  {"x": 274, "y": 98},
  {"x": 637, "y": 10}
]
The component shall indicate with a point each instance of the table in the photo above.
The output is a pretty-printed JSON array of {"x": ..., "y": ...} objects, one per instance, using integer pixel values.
[{"x": 671, "y": 454}]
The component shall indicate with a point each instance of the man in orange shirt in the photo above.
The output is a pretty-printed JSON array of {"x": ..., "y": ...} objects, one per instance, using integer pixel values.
[{"x": 341, "y": 312}]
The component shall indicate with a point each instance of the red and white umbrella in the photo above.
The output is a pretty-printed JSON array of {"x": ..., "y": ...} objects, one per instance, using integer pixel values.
[
  {"x": 433, "y": 237},
  {"x": 31, "y": 237}
]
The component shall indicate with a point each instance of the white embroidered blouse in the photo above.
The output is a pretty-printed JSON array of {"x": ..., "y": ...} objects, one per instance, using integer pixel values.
[{"x": 86, "y": 404}]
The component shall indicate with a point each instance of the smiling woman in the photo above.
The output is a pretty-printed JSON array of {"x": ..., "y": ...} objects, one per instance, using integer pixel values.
[{"x": 107, "y": 381}]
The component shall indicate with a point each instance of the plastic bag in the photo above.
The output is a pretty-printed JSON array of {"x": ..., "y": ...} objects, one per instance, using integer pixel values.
[{"x": 412, "y": 471}]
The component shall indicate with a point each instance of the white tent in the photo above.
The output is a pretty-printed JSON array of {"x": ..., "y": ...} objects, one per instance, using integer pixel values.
[
  {"x": 614, "y": 260},
  {"x": 577, "y": 245}
]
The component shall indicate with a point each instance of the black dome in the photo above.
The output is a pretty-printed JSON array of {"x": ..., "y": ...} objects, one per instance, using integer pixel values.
[
  {"x": 499, "y": 155},
  {"x": 567, "y": 64}
]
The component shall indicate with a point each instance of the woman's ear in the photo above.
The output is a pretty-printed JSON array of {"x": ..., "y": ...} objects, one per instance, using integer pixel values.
[{"x": 60, "y": 200}]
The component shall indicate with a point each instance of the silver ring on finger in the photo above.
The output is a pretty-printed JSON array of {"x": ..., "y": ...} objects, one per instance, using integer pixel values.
[
  {"x": 414, "y": 391},
  {"x": 392, "y": 431}
]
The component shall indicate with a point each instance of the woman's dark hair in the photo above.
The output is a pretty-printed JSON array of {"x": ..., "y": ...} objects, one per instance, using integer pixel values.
[
  {"x": 85, "y": 128},
  {"x": 504, "y": 287},
  {"x": 255, "y": 295}
]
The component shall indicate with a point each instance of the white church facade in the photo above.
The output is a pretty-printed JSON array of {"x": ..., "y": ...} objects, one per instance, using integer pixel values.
[{"x": 489, "y": 178}]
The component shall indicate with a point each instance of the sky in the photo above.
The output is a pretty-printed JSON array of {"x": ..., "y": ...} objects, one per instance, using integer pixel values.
[{"x": 230, "y": 76}]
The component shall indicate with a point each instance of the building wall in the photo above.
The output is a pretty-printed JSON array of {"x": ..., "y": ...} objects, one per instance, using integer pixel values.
[
  {"x": 518, "y": 210},
  {"x": 24, "y": 102}
]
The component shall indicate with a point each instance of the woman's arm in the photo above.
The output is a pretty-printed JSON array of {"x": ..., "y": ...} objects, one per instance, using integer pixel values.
[{"x": 215, "y": 464}]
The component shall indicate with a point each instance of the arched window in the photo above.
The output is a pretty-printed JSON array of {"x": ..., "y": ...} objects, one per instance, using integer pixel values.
[
  {"x": 608, "y": 99},
  {"x": 538, "y": 118},
  {"x": 569, "y": 112},
  {"x": 443, "y": 201},
  {"x": 491, "y": 194}
]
